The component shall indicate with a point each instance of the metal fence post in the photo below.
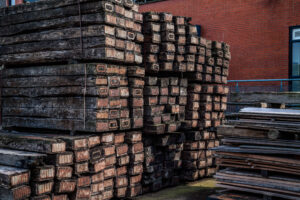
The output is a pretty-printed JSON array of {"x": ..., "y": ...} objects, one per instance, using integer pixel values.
[
  {"x": 281, "y": 86},
  {"x": 237, "y": 87}
]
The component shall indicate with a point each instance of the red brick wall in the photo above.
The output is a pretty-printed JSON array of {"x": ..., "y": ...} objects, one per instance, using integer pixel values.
[{"x": 257, "y": 30}]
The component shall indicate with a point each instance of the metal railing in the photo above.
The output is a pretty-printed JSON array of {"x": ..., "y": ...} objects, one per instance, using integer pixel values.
[
  {"x": 282, "y": 87},
  {"x": 276, "y": 85}
]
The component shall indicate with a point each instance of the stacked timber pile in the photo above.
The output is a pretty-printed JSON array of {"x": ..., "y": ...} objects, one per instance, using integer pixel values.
[
  {"x": 180, "y": 64},
  {"x": 30, "y": 163},
  {"x": 60, "y": 31},
  {"x": 109, "y": 114},
  {"x": 136, "y": 159},
  {"x": 75, "y": 97},
  {"x": 260, "y": 154},
  {"x": 162, "y": 165},
  {"x": 206, "y": 103},
  {"x": 165, "y": 99},
  {"x": 97, "y": 98}
]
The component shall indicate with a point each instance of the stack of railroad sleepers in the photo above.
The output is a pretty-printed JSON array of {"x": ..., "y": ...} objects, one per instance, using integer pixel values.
[
  {"x": 197, "y": 156},
  {"x": 162, "y": 165},
  {"x": 212, "y": 62},
  {"x": 221, "y": 55},
  {"x": 56, "y": 31},
  {"x": 71, "y": 97},
  {"x": 31, "y": 164},
  {"x": 192, "y": 41},
  {"x": 75, "y": 97},
  {"x": 260, "y": 153},
  {"x": 180, "y": 41},
  {"x": 165, "y": 97},
  {"x": 152, "y": 39},
  {"x": 136, "y": 159},
  {"x": 205, "y": 108},
  {"x": 204, "y": 112},
  {"x": 165, "y": 100},
  {"x": 136, "y": 83},
  {"x": 167, "y": 46}
]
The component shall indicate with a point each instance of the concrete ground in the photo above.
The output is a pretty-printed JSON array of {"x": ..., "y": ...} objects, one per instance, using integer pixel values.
[{"x": 199, "y": 190}]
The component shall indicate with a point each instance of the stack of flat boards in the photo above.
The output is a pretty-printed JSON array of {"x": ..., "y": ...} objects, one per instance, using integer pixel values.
[{"x": 260, "y": 157}]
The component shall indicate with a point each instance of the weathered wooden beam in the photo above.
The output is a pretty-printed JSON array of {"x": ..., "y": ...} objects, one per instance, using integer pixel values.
[
  {"x": 21, "y": 159},
  {"x": 12, "y": 177},
  {"x": 103, "y": 53},
  {"x": 63, "y": 70},
  {"x": 100, "y": 91},
  {"x": 58, "y": 45},
  {"x": 18, "y": 193},
  {"x": 59, "y": 34},
  {"x": 60, "y": 124},
  {"x": 51, "y": 13},
  {"x": 71, "y": 21},
  {"x": 57, "y": 113},
  {"x": 31, "y": 142}
]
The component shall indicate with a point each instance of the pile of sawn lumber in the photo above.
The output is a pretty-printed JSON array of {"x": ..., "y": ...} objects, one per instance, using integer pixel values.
[
  {"x": 260, "y": 154},
  {"x": 61, "y": 167},
  {"x": 55, "y": 30},
  {"x": 184, "y": 93},
  {"x": 143, "y": 113}
]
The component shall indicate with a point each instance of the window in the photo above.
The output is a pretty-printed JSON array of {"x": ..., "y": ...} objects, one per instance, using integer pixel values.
[
  {"x": 295, "y": 57},
  {"x": 12, "y": 2}
]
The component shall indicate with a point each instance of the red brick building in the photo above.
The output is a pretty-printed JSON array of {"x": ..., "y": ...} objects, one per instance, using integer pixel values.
[{"x": 257, "y": 30}]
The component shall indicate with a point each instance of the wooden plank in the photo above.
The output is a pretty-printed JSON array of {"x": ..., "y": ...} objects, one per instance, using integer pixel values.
[
  {"x": 272, "y": 158},
  {"x": 258, "y": 151},
  {"x": 103, "y": 53},
  {"x": 52, "y": 102},
  {"x": 59, "y": 34},
  {"x": 62, "y": 70},
  {"x": 100, "y": 91},
  {"x": 20, "y": 159},
  {"x": 56, "y": 124},
  {"x": 31, "y": 142},
  {"x": 59, "y": 45},
  {"x": 281, "y": 126},
  {"x": 257, "y": 189},
  {"x": 12, "y": 177},
  {"x": 232, "y": 131},
  {"x": 37, "y": 5},
  {"x": 258, "y": 166},
  {"x": 67, "y": 10},
  {"x": 263, "y": 142},
  {"x": 56, "y": 81},
  {"x": 71, "y": 21},
  {"x": 290, "y": 186},
  {"x": 18, "y": 193},
  {"x": 43, "y": 173},
  {"x": 254, "y": 191},
  {"x": 57, "y": 113}
]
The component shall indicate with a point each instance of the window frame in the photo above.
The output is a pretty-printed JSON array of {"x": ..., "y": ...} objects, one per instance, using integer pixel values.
[{"x": 291, "y": 42}]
